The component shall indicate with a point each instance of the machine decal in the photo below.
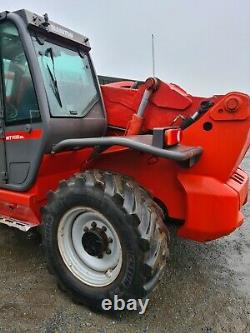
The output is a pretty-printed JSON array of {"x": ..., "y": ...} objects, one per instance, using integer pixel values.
[{"x": 22, "y": 135}]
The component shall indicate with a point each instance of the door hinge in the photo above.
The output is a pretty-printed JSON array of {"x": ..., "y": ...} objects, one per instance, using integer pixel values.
[
  {"x": 4, "y": 175},
  {"x": 2, "y": 135}
]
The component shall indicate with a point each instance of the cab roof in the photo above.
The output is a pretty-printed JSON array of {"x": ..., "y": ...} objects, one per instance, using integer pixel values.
[{"x": 44, "y": 25}]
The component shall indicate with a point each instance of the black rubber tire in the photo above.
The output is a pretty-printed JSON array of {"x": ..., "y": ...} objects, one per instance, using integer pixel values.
[{"x": 136, "y": 219}]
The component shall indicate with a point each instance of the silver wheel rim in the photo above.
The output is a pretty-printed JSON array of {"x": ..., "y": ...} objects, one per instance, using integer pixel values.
[{"x": 75, "y": 233}]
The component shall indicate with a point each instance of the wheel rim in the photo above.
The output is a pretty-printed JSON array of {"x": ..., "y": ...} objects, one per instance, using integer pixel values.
[{"x": 89, "y": 246}]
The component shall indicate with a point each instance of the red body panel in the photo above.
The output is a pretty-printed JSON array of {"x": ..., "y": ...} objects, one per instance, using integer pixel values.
[
  {"x": 207, "y": 197},
  {"x": 26, "y": 206},
  {"x": 212, "y": 207}
]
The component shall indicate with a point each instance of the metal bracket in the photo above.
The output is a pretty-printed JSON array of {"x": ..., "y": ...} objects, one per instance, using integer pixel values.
[
  {"x": 3, "y": 15},
  {"x": 4, "y": 175}
]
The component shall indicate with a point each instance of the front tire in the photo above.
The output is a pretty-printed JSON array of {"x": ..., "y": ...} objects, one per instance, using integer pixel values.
[{"x": 103, "y": 236}]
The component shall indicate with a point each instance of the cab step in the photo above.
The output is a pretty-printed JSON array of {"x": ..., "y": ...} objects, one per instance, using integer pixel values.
[{"x": 21, "y": 225}]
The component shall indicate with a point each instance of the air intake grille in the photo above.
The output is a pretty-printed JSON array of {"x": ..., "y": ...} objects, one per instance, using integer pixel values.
[{"x": 238, "y": 178}]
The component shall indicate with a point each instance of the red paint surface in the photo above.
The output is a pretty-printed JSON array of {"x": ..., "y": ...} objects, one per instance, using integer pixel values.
[{"x": 206, "y": 197}]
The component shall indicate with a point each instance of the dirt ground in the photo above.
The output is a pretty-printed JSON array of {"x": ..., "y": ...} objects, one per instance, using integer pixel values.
[{"x": 206, "y": 288}]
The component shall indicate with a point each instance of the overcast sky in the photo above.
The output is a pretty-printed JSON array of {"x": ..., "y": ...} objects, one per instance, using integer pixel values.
[{"x": 204, "y": 46}]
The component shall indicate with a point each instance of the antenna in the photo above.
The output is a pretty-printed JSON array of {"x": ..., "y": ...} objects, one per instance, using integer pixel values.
[{"x": 153, "y": 55}]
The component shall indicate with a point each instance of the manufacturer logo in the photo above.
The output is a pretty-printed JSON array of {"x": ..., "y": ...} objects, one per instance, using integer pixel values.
[{"x": 58, "y": 30}]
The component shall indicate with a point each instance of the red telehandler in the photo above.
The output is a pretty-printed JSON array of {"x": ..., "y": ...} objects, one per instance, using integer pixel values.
[{"x": 100, "y": 169}]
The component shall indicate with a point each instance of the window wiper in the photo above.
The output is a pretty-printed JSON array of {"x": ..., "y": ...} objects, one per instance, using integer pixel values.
[{"x": 53, "y": 76}]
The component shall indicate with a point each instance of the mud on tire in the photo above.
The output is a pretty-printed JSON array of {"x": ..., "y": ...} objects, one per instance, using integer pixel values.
[{"x": 136, "y": 220}]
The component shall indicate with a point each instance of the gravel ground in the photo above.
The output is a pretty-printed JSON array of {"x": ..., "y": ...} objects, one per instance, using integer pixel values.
[{"x": 206, "y": 288}]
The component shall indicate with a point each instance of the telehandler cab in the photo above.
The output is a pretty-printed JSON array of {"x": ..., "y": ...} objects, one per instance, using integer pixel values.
[{"x": 102, "y": 168}]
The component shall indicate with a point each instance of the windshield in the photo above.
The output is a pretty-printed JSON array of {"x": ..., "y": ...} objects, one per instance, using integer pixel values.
[{"x": 68, "y": 80}]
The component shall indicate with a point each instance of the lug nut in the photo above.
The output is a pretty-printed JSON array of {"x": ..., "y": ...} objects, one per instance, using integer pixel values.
[
  {"x": 86, "y": 229},
  {"x": 100, "y": 256},
  {"x": 93, "y": 225},
  {"x": 104, "y": 228},
  {"x": 110, "y": 240},
  {"x": 108, "y": 251}
]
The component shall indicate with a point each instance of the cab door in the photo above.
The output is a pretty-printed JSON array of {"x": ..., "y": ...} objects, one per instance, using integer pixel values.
[
  {"x": 3, "y": 169},
  {"x": 21, "y": 118}
]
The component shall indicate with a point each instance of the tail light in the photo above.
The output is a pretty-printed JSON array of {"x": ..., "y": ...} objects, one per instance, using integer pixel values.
[
  {"x": 166, "y": 137},
  {"x": 172, "y": 136}
]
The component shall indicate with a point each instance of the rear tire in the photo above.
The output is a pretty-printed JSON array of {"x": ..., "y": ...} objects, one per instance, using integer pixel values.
[{"x": 103, "y": 236}]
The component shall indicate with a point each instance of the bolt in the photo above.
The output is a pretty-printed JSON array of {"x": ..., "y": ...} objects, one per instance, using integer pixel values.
[
  {"x": 108, "y": 251},
  {"x": 100, "y": 256},
  {"x": 232, "y": 105},
  {"x": 104, "y": 228},
  {"x": 86, "y": 229},
  {"x": 93, "y": 225},
  {"x": 110, "y": 240}
]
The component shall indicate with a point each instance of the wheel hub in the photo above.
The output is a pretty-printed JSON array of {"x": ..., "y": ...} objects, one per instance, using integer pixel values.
[
  {"x": 90, "y": 246},
  {"x": 95, "y": 241}
]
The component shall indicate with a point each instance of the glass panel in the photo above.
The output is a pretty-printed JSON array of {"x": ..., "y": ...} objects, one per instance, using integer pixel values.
[
  {"x": 20, "y": 99},
  {"x": 68, "y": 80}
]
